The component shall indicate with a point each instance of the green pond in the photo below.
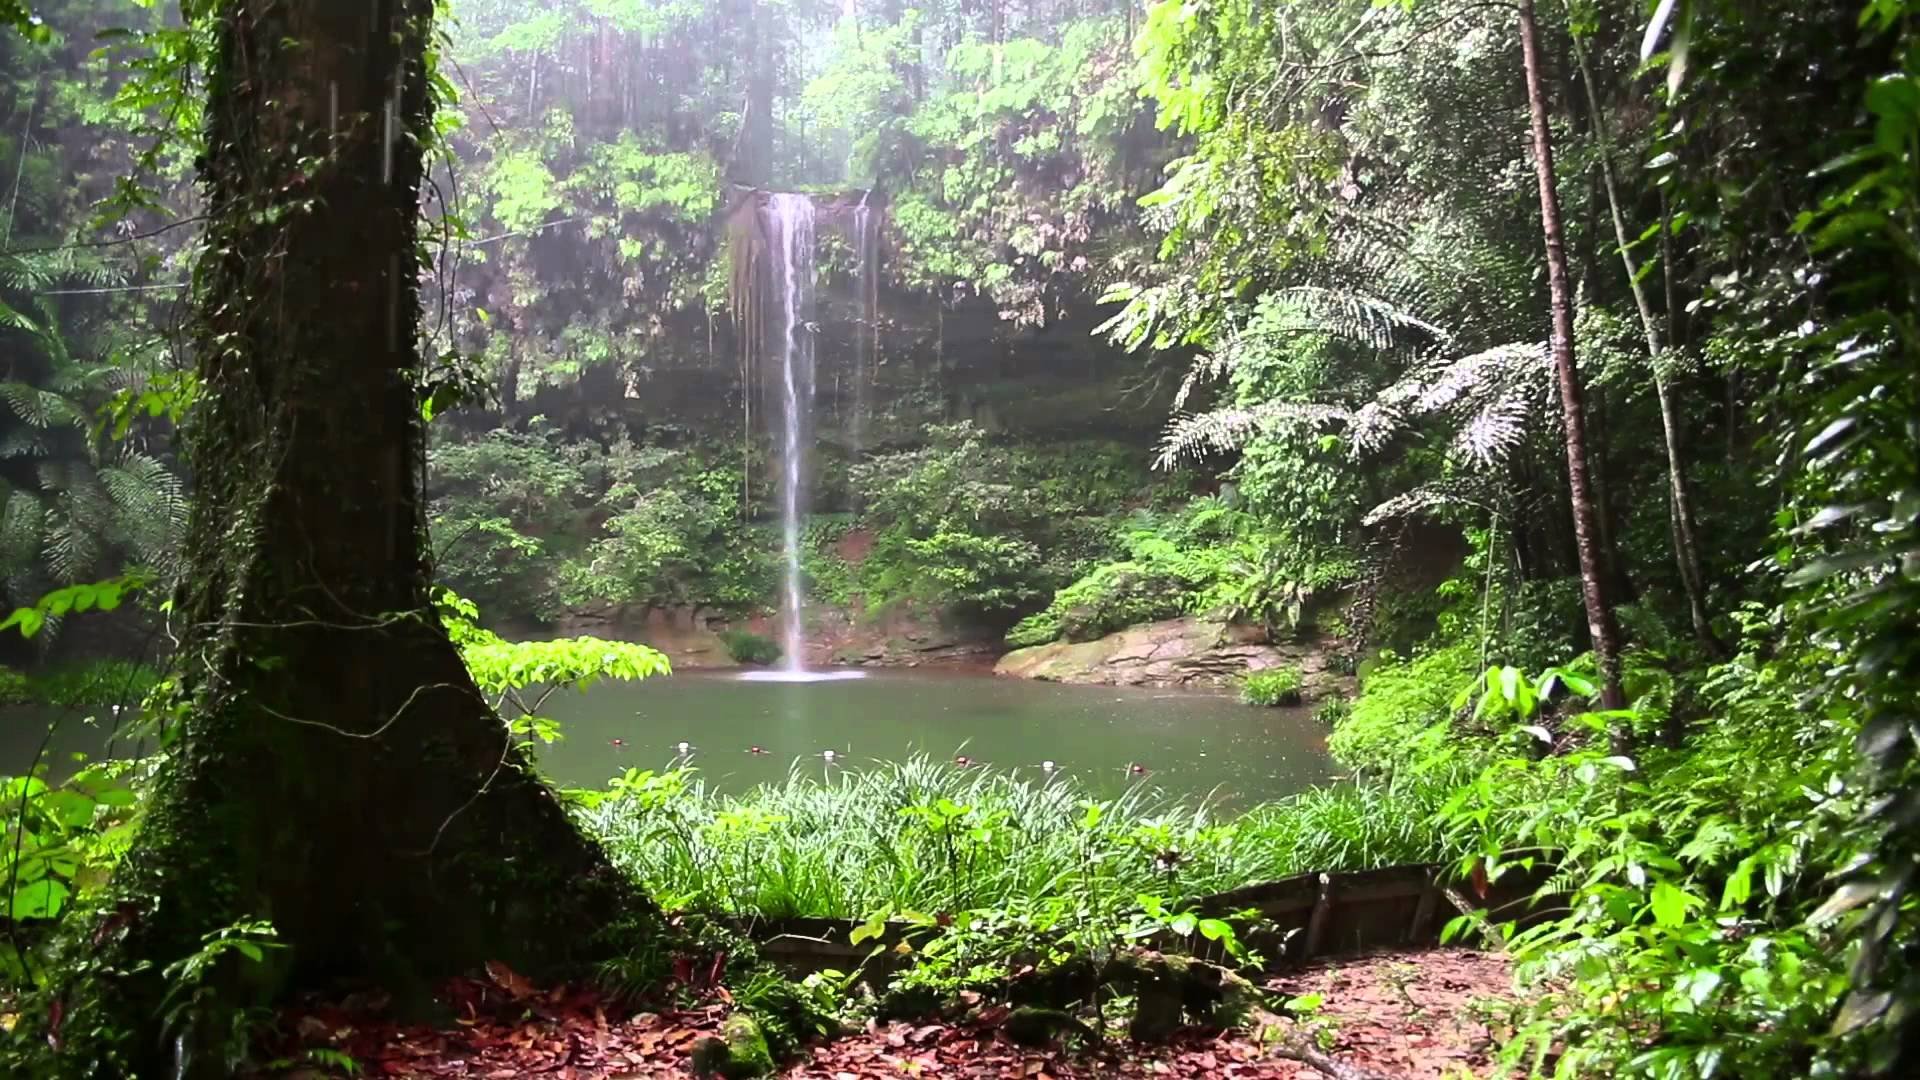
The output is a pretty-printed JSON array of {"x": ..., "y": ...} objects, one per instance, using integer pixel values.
[
  {"x": 1188, "y": 743},
  {"x": 1185, "y": 743}
]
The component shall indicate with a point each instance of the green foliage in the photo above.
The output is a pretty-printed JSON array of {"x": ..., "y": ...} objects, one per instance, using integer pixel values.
[
  {"x": 96, "y": 684},
  {"x": 503, "y": 669},
  {"x": 1112, "y": 597},
  {"x": 746, "y": 647},
  {"x": 1333, "y": 712},
  {"x": 1209, "y": 558},
  {"x": 981, "y": 527},
  {"x": 1006, "y": 171},
  {"x": 1680, "y": 881},
  {"x": 1275, "y": 686},
  {"x": 68, "y": 837},
  {"x": 15, "y": 687},
  {"x": 529, "y": 523},
  {"x": 928, "y": 836},
  {"x": 74, "y": 599}
]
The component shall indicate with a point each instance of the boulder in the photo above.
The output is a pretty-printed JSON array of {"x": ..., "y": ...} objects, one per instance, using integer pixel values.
[{"x": 1185, "y": 652}]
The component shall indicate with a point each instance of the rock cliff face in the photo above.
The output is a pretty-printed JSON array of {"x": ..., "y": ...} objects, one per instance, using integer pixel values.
[
  {"x": 903, "y": 636},
  {"x": 1187, "y": 651}
]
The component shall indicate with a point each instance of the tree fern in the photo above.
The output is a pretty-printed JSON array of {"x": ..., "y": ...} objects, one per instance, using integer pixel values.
[
  {"x": 150, "y": 505},
  {"x": 22, "y": 523},
  {"x": 1225, "y": 430},
  {"x": 39, "y": 408}
]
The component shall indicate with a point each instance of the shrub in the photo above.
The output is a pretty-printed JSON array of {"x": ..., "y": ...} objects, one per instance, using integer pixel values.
[
  {"x": 1333, "y": 711},
  {"x": 1403, "y": 707},
  {"x": 1275, "y": 686},
  {"x": 747, "y": 647},
  {"x": 15, "y": 688},
  {"x": 1112, "y": 597},
  {"x": 95, "y": 684}
]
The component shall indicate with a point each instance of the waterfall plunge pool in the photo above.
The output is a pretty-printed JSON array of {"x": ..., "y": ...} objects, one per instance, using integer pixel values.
[{"x": 1189, "y": 743}]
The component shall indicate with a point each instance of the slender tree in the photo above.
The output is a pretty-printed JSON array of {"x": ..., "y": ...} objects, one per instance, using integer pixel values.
[
  {"x": 1686, "y": 548},
  {"x": 1601, "y": 625},
  {"x": 335, "y": 771}
]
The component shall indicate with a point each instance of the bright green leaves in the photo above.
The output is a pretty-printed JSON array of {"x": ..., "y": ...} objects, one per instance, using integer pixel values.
[
  {"x": 500, "y": 666},
  {"x": 16, "y": 14},
  {"x": 99, "y": 595},
  {"x": 503, "y": 669},
  {"x": 166, "y": 394},
  {"x": 1671, "y": 904},
  {"x": 524, "y": 190},
  {"x": 62, "y": 840}
]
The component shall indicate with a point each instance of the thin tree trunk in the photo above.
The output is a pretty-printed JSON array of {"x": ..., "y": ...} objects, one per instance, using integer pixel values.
[
  {"x": 337, "y": 773},
  {"x": 1686, "y": 551},
  {"x": 1601, "y": 625}
]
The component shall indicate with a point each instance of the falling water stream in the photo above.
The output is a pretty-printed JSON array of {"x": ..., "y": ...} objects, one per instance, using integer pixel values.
[
  {"x": 789, "y": 218},
  {"x": 866, "y": 333},
  {"x": 790, "y": 225}
]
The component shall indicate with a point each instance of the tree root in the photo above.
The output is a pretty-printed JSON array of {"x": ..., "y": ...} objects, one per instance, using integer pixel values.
[{"x": 1325, "y": 1064}]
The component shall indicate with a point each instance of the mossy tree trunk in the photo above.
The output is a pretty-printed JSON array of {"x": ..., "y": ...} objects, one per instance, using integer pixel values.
[{"x": 337, "y": 773}]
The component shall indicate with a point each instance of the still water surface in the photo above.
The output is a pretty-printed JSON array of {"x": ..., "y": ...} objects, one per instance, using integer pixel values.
[{"x": 1190, "y": 744}]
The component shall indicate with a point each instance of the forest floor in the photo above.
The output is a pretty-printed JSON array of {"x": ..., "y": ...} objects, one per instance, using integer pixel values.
[{"x": 1420, "y": 1014}]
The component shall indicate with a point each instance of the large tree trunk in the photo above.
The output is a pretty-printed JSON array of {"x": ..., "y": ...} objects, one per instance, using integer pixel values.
[
  {"x": 1601, "y": 626},
  {"x": 336, "y": 772},
  {"x": 1686, "y": 550}
]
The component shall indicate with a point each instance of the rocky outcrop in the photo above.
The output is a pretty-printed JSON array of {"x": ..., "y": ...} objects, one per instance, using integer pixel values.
[
  {"x": 689, "y": 636},
  {"x": 903, "y": 635},
  {"x": 1188, "y": 651}
]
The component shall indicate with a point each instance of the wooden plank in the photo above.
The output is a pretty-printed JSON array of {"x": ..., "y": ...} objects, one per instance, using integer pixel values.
[
  {"x": 1317, "y": 923},
  {"x": 1421, "y": 927}
]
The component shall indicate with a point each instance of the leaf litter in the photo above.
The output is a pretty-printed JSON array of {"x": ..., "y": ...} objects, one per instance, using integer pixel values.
[{"x": 1423, "y": 1014}]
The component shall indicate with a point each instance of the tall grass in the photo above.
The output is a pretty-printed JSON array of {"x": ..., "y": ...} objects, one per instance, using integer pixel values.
[{"x": 926, "y": 835}]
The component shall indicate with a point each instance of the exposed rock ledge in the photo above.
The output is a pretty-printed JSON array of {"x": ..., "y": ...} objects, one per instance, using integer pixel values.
[
  {"x": 1188, "y": 651},
  {"x": 904, "y": 635}
]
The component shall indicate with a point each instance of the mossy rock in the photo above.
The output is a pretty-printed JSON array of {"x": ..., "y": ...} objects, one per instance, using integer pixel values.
[
  {"x": 740, "y": 1053},
  {"x": 1033, "y": 1026}
]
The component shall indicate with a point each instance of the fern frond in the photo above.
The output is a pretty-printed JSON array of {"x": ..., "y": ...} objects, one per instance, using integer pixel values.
[
  {"x": 1363, "y": 318},
  {"x": 40, "y": 408},
  {"x": 23, "y": 442},
  {"x": 22, "y": 519},
  {"x": 1226, "y": 430},
  {"x": 1438, "y": 495},
  {"x": 150, "y": 507}
]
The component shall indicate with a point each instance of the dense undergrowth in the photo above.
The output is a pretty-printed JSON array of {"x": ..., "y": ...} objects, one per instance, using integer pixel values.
[
  {"x": 931, "y": 836},
  {"x": 1307, "y": 237}
]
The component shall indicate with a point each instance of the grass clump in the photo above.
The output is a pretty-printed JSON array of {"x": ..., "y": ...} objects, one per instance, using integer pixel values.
[
  {"x": 926, "y": 835},
  {"x": 1274, "y": 686},
  {"x": 747, "y": 647},
  {"x": 1333, "y": 712}
]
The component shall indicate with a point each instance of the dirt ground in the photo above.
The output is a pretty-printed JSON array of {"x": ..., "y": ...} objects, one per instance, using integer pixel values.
[{"x": 1403, "y": 1015}]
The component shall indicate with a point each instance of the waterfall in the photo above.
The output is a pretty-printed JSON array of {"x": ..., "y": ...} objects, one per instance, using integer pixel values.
[
  {"x": 866, "y": 335},
  {"x": 790, "y": 236}
]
